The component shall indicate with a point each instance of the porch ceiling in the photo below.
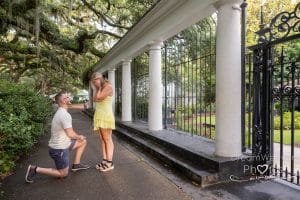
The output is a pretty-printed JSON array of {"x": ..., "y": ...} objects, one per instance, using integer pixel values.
[{"x": 164, "y": 20}]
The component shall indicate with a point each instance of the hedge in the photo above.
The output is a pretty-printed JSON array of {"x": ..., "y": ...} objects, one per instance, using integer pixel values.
[{"x": 23, "y": 117}]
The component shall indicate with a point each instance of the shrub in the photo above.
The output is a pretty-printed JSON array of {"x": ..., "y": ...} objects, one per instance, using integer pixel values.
[{"x": 23, "y": 117}]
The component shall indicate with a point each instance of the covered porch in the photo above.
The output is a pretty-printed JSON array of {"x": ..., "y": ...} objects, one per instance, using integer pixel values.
[{"x": 164, "y": 126}]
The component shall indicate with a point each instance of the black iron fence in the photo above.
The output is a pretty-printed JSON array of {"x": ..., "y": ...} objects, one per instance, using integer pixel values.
[
  {"x": 286, "y": 109},
  {"x": 274, "y": 96},
  {"x": 247, "y": 99},
  {"x": 189, "y": 76},
  {"x": 118, "y": 92},
  {"x": 285, "y": 174},
  {"x": 140, "y": 82},
  {"x": 188, "y": 79}
]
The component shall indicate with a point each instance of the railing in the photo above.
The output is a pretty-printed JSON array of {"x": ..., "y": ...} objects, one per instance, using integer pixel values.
[
  {"x": 189, "y": 76},
  {"x": 286, "y": 175},
  {"x": 248, "y": 102},
  {"x": 140, "y": 82},
  {"x": 189, "y": 81},
  {"x": 276, "y": 95},
  {"x": 286, "y": 110},
  {"x": 118, "y": 92}
]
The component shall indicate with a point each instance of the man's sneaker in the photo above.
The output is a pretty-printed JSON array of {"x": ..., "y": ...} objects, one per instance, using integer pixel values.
[
  {"x": 31, "y": 171},
  {"x": 76, "y": 167}
]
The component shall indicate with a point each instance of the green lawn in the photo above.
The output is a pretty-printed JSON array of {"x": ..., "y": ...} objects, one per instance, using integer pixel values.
[
  {"x": 287, "y": 136},
  {"x": 193, "y": 125},
  {"x": 196, "y": 120},
  {"x": 206, "y": 119}
]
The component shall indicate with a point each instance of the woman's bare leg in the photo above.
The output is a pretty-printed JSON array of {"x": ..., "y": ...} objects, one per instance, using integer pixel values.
[
  {"x": 109, "y": 145},
  {"x": 102, "y": 143}
]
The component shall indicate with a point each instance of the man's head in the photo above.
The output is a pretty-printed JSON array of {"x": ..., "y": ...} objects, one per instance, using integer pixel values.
[{"x": 62, "y": 98}]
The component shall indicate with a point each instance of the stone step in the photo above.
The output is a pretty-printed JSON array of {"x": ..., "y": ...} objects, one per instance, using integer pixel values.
[
  {"x": 192, "y": 153},
  {"x": 204, "y": 161},
  {"x": 201, "y": 176}
]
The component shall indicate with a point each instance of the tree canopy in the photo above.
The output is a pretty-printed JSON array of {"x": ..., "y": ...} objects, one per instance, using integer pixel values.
[
  {"x": 269, "y": 8},
  {"x": 50, "y": 43}
]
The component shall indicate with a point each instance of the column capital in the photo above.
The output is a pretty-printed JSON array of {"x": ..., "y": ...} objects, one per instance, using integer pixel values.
[
  {"x": 155, "y": 45},
  {"x": 234, "y": 3},
  {"x": 126, "y": 61},
  {"x": 112, "y": 70}
]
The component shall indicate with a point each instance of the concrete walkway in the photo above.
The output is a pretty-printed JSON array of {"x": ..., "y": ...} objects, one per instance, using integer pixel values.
[
  {"x": 136, "y": 176},
  {"x": 287, "y": 157}
]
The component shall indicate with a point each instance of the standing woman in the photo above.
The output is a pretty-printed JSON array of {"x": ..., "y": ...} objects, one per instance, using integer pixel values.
[{"x": 104, "y": 120}]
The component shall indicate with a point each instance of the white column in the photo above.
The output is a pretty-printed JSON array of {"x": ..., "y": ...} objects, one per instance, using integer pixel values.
[
  {"x": 155, "y": 88},
  {"x": 126, "y": 91},
  {"x": 111, "y": 78},
  {"x": 228, "y": 80}
]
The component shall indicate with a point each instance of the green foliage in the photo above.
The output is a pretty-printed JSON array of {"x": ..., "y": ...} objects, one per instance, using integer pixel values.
[
  {"x": 185, "y": 109},
  {"x": 6, "y": 163},
  {"x": 287, "y": 121},
  {"x": 293, "y": 51},
  {"x": 270, "y": 10},
  {"x": 287, "y": 136},
  {"x": 86, "y": 75},
  {"x": 142, "y": 107},
  {"x": 70, "y": 37},
  {"x": 189, "y": 62},
  {"x": 22, "y": 120},
  {"x": 285, "y": 106},
  {"x": 141, "y": 65},
  {"x": 198, "y": 119},
  {"x": 199, "y": 125}
]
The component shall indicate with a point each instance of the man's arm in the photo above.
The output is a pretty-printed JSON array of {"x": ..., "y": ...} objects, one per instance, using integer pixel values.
[{"x": 73, "y": 135}]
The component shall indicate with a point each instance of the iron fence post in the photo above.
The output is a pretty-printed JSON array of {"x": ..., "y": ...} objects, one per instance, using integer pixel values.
[{"x": 243, "y": 62}]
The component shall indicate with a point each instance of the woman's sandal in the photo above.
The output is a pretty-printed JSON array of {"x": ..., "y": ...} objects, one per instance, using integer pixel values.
[
  {"x": 100, "y": 165},
  {"x": 107, "y": 166}
]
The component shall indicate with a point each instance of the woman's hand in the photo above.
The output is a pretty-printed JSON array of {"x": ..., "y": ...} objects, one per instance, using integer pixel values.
[{"x": 97, "y": 94}]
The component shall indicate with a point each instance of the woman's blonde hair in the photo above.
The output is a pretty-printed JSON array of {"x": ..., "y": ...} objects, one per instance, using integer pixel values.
[{"x": 96, "y": 75}]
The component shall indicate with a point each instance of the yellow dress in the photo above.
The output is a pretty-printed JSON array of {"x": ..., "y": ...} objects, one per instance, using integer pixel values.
[{"x": 104, "y": 116}]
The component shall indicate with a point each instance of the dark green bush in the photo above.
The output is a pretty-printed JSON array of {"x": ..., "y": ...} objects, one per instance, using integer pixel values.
[{"x": 23, "y": 117}]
